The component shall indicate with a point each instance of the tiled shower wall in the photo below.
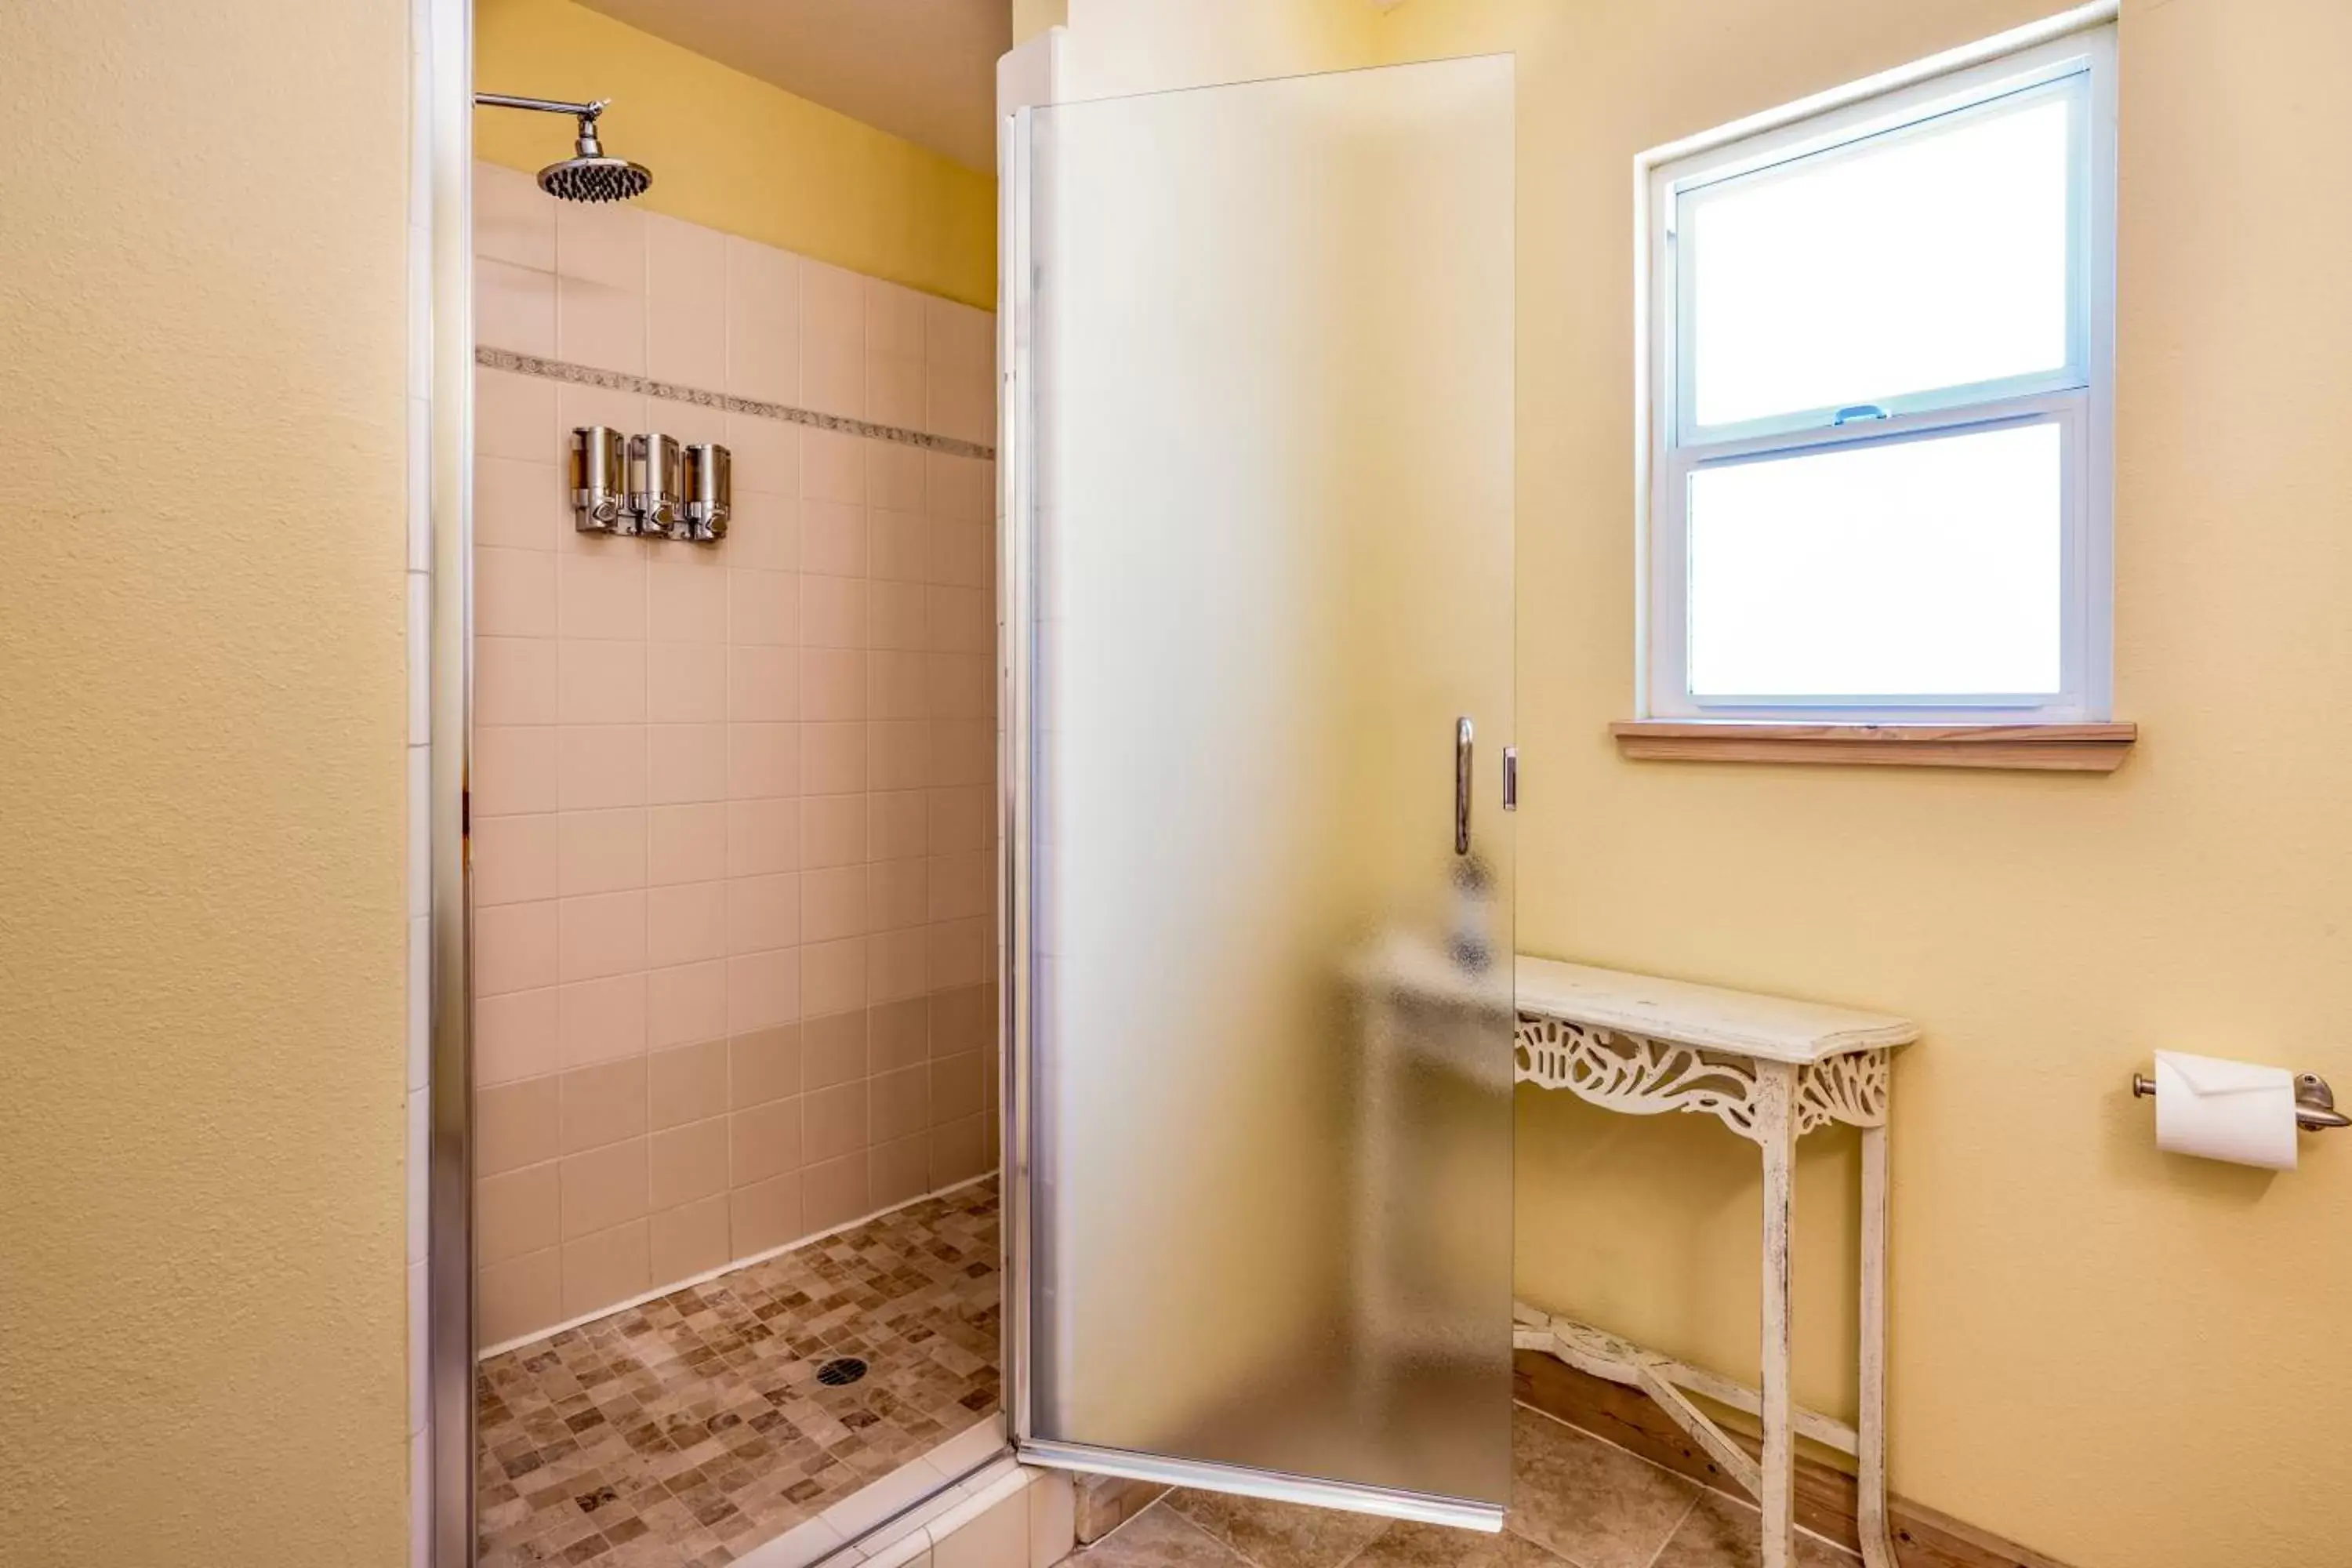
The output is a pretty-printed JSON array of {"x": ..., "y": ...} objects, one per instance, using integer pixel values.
[{"x": 732, "y": 806}]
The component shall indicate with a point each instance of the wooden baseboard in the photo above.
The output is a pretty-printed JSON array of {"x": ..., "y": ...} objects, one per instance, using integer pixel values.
[{"x": 1825, "y": 1495}]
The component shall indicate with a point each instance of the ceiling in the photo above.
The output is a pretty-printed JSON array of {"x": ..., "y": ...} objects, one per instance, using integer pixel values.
[{"x": 923, "y": 69}]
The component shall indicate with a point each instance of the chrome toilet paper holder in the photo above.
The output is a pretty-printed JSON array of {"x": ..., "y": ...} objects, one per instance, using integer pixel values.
[{"x": 2315, "y": 1103}]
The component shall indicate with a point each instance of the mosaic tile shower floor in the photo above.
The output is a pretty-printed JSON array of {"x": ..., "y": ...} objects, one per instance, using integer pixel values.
[{"x": 684, "y": 1433}]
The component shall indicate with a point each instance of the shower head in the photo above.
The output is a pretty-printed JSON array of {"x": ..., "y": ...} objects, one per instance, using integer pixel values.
[{"x": 588, "y": 175}]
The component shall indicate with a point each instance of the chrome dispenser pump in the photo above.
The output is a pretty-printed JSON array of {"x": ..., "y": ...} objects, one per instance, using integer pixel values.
[
  {"x": 599, "y": 477},
  {"x": 655, "y": 477},
  {"x": 710, "y": 495}
]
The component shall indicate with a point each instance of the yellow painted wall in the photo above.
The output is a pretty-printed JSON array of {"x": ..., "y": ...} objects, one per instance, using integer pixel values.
[
  {"x": 201, "y": 286},
  {"x": 2117, "y": 1357},
  {"x": 737, "y": 154}
]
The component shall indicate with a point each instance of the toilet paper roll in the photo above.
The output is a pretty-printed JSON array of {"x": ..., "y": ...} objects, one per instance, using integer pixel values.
[{"x": 2239, "y": 1111}]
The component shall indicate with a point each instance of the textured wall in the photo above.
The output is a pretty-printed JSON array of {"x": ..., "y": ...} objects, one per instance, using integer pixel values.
[
  {"x": 2090, "y": 1338},
  {"x": 735, "y": 154},
  {"x": 200, "y": 801}
]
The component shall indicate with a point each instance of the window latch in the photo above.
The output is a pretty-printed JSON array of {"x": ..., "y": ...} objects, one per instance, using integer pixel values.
[{"x": 1855, "y": 411}]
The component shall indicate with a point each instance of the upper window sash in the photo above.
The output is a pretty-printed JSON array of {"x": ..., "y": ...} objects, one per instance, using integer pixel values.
[{"x": 2058, "y": 72}]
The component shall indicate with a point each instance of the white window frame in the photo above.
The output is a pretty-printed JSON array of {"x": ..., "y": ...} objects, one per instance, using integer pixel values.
[{"x": 2063, "y": 56}]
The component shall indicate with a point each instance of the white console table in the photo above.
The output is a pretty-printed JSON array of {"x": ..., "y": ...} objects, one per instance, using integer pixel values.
[{"x": 1771, "y": 1071}]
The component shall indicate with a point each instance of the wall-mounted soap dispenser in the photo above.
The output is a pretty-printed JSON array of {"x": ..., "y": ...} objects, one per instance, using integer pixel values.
[
  {"x": 710, "y": 495},
  {"x": 655, "y": 477},
  {"x": 599, "y": 479}
]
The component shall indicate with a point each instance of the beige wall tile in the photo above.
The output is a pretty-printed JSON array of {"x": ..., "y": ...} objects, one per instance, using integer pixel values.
[
  {"x": 834, "y": 1192},
  {"x": 764, "y": 1214},
  {"x": 600, "y": 682},
  {"x": 833, "y": 466},
  {"x": 900, "y": 829},
  {"x": 762, "y": 684},
  {"x": 898, "y": 754},
  {"x": 833, "y": 538},
  {"x": 686, "y": 844},
  {"x": 604, "y": 1188},
  {"x": 833, "y": 758},
  {"x": 514, "y": 593},
  {"x": 605, "y": 1269},
  {"x": 514, "y": 860},
  {"x": 764, "y": 760},
  {"x": 834, "y": 1122},
  {"x": 833, "y": 829},
  {"x": 960, "y": 818},
  {"x": 899, "y": 617},
  {"x": 762, "y": 321},
  {"x": 514, "y": 307},
  {"x": 897, "y": 684},
  {"x": 518, "y": 1296},
  {"x": 514, "y": 220},
  {"x": 600, "y": 325},
  {"x": 899, "y": 893},
  {"x": 686, "y": 1005},
  {"x": 962, "y": 555},
  {"x": 833, "y": 975},
  {"x": 833, "y": 683},
  {"x": 763, "y": 608},
  {"x": 832, "y": 1048},
  {"x": 686, "y": 682},
  {"x": 689, "y": 1240},
  {"x": 893, "y": 318},
  {"x": 898, "y": 549},
  {"x": 899, "y": 1171},
  {"x": 515, "y": 1036},
  {"x": 762, "y": 989},
  {"x": 600, "y": 765},
  {"x": 686, "y": 302},
  {"x": 514, "y": 1213},
  {"x": 762, "y": 912},
  {"x": 767, "y": 457},
  {"x": 900, "y": 1033},
  {"x": 833, "y": 376},
  {"x": 895, "y": 391},
  {"x": 602, "y": 851},
  {"x": 603, "y": 1104},
  {"x": 686, "y": 601},
  {"x": 515, "y": 948},
  {"x": 515, "y": 680},
  {"x": 519, "y": 504},
  {"x": 763, "y": 1142},
  {"x": 958, "y": 952},
  {"x": 901, "y": 1104},
  {"x": 832, "y": 903},
  {"x": 602, "y": 1020},
  {"x": 687, "y": 1083},
  {"x": 685, "y": 763},
  {"x": 763, "y": 1065},
  {"x": 514, "y": 769},
  {"x": 686, "y": 924},
  {"x": 577, "y": 404},
  {"x": 602, "y": 596},
  {"x": 959, "y": 1151},
  {"x": 602, "y": 935},
  {"x": 602, "y": 242},
  {"x": 832, "y": 616},
  {"x": 515, "y": 1125},
  {"x": 960, "y": 1020},
  {"x": 997, "y": 1538},
  {"x": 959, "y": 489},
  {"x": 898, "y": 965},
  {"x": 762, "y": 835},
  {"x": 687, "y": 1163},
  {"x": 962, "y": 886},
  {"x": 895, "y": 477},
  {"x": 956, "y": 1091}
]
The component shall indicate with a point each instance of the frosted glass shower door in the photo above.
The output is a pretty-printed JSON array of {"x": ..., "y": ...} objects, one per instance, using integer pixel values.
[{"x": 1259, "y": 599}]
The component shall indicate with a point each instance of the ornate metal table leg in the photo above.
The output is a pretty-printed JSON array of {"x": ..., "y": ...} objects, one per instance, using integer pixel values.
[
  {"x": 1776, "y": 1132},
  {"x": 1870, "y": 1425}
]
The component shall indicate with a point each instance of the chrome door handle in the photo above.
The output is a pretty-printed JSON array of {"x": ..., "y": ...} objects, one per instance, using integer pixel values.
[{"x": 1461, "y": 785}]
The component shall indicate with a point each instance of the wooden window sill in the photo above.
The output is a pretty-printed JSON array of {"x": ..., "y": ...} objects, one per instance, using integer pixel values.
[{"x": 2039, "y": 748}]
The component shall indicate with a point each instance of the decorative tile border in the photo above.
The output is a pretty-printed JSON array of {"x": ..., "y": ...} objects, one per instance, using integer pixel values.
[{"x": 621, "y": 381}]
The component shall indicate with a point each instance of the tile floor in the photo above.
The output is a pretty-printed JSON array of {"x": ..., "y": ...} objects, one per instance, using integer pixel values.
[
  {"x": 683, "y": 1433},
  {"x": 1578, "y": 1502}
]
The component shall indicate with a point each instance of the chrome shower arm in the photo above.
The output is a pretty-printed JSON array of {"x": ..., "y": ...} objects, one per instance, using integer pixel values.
[{"x": 544, "y": 105}]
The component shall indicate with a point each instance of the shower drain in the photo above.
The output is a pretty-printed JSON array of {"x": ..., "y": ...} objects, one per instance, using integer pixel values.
[{"x": 845, "y": 1369}]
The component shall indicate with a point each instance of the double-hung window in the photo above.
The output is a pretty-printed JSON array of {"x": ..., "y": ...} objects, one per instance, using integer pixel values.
[{"x": 1879, "y": 386}]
